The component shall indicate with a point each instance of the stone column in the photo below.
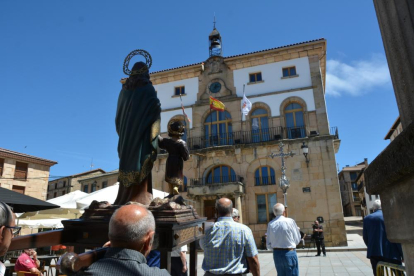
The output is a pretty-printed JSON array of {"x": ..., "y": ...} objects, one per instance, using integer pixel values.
[
  {"x": 396, "y": 22},
  {"x": 239, "y": 206},
  {"x": 201, "y": 206},
  {"x": 391, "y": 174},
  {"x": 319, "y": 95}
]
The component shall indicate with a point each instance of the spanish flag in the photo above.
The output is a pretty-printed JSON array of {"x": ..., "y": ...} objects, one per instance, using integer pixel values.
[{"x": 216, "y": 104}]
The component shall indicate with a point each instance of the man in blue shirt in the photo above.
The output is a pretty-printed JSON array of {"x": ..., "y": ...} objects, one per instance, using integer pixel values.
[
  {"x": 379, "y": 248},
  {"x": 227, "y": 245}
]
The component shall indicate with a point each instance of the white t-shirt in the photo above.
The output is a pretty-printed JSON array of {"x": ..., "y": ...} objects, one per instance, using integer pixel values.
[
  {"x": 176, "y": 252},
  {"x": 2, "y": 269}
]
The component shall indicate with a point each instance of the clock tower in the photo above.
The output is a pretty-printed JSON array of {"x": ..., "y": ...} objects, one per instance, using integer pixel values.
[{"x": 215, "y": 43}]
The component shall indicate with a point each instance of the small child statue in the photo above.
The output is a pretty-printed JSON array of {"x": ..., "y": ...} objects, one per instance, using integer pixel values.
[{"x": 177, "y": 154}]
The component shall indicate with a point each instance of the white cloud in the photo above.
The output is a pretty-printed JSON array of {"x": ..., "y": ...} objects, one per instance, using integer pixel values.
[{"x": 356, "y": 78}]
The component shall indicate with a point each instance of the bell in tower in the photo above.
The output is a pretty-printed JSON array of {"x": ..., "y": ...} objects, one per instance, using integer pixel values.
[{"x": 215, "y": 43}]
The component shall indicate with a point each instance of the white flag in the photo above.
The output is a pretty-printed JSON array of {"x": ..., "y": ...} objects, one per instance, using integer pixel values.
[{"x": 247, "y": 105}]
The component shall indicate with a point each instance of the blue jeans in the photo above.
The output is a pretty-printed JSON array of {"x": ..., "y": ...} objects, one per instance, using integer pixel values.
[{"x": 286, "y": 262}]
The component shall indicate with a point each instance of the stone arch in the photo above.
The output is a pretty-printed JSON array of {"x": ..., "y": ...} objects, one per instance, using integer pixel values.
[
  {"x": 259, "y": 105},
  {"x": 212, "y": 166},
  {"x": 299, "y": 101},
  {"x": 205, "y": 115},
  {"x": 261, "y": 162}
]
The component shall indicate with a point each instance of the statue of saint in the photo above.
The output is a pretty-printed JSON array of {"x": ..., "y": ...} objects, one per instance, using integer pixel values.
[
  {"x": 138, "y": 125},
  {"x": 177, "y": 154}
]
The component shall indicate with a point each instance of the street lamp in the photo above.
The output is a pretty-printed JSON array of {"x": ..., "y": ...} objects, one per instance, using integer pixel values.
[
  {"x": 305, "y": 151},
  {"x": 283, "y": 180}
]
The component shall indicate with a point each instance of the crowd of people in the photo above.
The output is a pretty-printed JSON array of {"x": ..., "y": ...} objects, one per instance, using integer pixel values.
[{"x": 229, "y": 246}]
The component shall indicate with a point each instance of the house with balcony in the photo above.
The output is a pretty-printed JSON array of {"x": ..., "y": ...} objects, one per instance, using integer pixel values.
[
  {"x": 367, "y": 200},
  {"x": 97, "y": 182},
  {"x": 351, "y": 200},
  {"x": 230, "y": 152},
  {"x": 64, "y": 185},
  {"x": 25, "y": 174}
]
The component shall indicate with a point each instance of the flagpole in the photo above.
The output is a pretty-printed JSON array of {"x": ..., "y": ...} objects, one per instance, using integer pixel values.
[{"x": 244, "y": 85}]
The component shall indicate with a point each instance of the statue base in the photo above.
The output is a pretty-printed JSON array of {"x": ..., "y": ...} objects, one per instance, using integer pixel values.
[{"x": 176, "y": 226}]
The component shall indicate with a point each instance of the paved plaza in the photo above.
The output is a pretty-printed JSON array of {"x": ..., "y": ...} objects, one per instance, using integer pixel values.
[{"x": 335, "y": 263}]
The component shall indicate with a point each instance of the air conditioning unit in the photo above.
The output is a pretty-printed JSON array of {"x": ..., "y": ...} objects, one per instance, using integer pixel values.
[{"x": 313, "y": 133}]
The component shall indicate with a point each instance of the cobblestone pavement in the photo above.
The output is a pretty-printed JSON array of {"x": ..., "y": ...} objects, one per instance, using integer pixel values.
[{"x": 335, "y": 263}]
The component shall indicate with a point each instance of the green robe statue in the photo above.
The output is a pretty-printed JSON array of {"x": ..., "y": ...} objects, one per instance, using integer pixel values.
[{"x": 138, "y": 125}]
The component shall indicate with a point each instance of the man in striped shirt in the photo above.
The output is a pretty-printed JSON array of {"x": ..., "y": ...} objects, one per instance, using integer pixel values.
[{"x": 227, "y": 243}]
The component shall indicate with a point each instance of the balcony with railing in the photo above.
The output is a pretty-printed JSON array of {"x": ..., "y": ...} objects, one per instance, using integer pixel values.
[
  {"x": 215, "y": 185},
  {"x": 252, "y": 137},
  {"x": 264, "y": 181},
  {"x": 334, "y": 131}
]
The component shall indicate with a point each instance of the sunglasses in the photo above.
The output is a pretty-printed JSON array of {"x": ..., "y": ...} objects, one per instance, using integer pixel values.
[{"x": 15, "y": 230}]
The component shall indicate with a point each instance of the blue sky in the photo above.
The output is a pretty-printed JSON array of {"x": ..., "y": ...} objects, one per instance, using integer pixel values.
[{"x": 61, "y": 61}]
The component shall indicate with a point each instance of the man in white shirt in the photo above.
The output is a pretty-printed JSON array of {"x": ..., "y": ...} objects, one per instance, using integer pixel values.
[
  {"x": 179, "y": 262},
  {"x": 283, "y": 236},
  {"x": 236, "y": 216}
]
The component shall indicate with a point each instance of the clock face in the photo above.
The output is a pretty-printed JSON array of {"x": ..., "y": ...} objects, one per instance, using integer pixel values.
[{"x": 215, "y": 87}]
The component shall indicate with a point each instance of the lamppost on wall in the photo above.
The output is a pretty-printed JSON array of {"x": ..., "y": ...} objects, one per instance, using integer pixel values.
[
  {"x": 305, "y": 151},
  {"x": 283, "y": 180}
]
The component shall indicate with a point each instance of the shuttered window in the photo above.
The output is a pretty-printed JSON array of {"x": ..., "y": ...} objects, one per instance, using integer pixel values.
[
  {"x": 20, "y": 173},
  {"x": 1, "y": 166}
]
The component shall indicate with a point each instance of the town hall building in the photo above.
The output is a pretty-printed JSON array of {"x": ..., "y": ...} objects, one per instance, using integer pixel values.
[{"x": 230, "y": 152}]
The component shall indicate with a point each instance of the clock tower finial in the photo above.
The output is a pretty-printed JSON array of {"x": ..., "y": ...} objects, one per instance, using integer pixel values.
[{"x": 214, "y": 41}]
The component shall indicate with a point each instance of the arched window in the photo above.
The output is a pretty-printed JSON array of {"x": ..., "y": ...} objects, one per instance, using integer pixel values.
[
  {"x": 265, "y": 176},
  {"x": 221, "y": 174},
  {"x": 181, "y": 118},
  {"x": 260, "y": 125},
  {"x": 183, "y": 188},
  {"x": 294, "y": 121},
  {"x": 218, "y": 129}
]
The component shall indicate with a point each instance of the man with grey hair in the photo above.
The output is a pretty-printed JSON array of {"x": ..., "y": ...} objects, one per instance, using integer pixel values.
[
  {"x": 283, "y": 236},
  {"x": 379, "y": 248},
  {"x": 236, "y": 216},
  {"x": 227, "y": 245},
  {"x": 8, "y": 230},
  {"x": 131, "y": 234}
]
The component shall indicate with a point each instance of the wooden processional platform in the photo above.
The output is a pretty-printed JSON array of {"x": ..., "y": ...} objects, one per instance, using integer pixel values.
[{"x": 174, "y": 229}]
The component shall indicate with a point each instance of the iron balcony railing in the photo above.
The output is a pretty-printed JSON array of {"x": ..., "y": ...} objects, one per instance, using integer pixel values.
[
  {"x": 334, "y": 131},
  {"x": 215, "y": 180},
  {"x": 244, "y": 137},
  {"x": 264, "y": 181},
  {"x": 252, "y": 136}
]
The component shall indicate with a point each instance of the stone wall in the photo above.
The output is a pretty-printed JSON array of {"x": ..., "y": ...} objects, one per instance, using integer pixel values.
[
  {"x": 323, "y": 200},
  {"x": 37, "y": 178}
]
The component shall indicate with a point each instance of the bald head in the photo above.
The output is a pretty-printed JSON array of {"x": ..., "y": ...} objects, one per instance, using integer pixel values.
[
  {"x": 278, "y": 209},
  {"x": 131, "y": 226},
  {"x": 224, "y": 207},
  {"x": 376, "y": 205}
]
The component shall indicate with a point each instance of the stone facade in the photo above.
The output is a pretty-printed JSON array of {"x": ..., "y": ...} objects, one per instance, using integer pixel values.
[
  {"x": 67, "y": 184},
  {"x": 29, "y": 177},
  {"x": 395, "y": 130},
  {"x": 98, "y": 182},
  {"x": 231, "y": 161},
  {"x": 367, "y": 200},
  {"x": 351, "y": 201}
]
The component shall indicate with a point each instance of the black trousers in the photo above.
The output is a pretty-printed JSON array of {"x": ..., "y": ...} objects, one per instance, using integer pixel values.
[
  {"x": 177, "y": 267},
  {"x": 319, "y": 243},
  {"x": 374, "y": 261}
]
